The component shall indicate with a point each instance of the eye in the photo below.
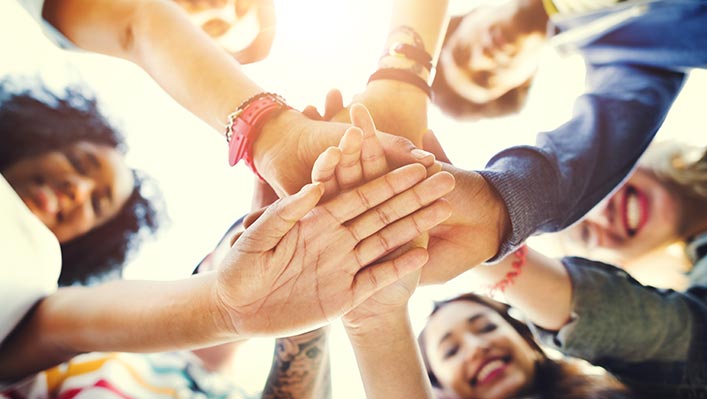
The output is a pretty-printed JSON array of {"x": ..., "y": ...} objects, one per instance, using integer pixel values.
[
  {"x": 451, "y": 352},
  {"x": 77, "y": 163},
  {"x": 488, "y": 327},
  {"x": 38, "y": 180}
]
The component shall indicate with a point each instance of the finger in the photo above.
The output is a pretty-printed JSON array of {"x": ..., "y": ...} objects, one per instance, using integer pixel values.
[
  {"x": 372, "y": 153},
  {"x": 431, "y": 144},
  {"x": 349, "y": 172},
  {"x": 311, "y": 112},
  {"x": 279, "y": 218},
  {"x": 324, "y": 170},
  {"x": 401, "y": 232},
  {"x": 236, "y": 237},
  {"x": 253, "y": 216},
  {"x": 350, "y": 204},
  {"x": 334, "y": 104},
  {"x": 421, "y": 195},
  {"x": 375, "y": 277},
  {"x": 263, "y": 194},
  {"x": 400, "y": 151}
]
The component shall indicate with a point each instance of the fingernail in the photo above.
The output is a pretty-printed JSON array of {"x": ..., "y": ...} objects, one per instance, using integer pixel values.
[{"x": 421, "y": 154}]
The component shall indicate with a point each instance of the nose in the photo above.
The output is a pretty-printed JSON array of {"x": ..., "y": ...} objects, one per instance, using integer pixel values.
[
  {"x": 77, "y": 190},
  {"x": 474, "y": 346}
]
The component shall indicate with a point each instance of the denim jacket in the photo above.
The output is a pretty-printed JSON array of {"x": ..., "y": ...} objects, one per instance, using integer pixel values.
[
  {"x": 653, "y": 340},
  {"x": 637, "y": 55}
]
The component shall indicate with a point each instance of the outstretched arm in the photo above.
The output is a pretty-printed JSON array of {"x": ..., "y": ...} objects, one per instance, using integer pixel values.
[
  {"x": 158, "y": 36},
  {"x": 599, "y": 313},
  {"x": 263, "y": 287},
  {"x": 379, "y": 328}
]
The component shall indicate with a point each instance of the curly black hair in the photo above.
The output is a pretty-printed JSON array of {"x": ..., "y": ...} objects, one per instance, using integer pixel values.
[
  {"x": 458, "y": 107},
  {"x": 34, "y": 120}
]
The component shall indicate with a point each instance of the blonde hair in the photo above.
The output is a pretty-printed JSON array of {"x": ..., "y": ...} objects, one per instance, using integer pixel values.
[{"x": 680, "y": 165}]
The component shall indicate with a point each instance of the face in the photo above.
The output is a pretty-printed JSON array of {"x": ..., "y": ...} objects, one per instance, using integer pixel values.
[
  {"x": 640, "y": 216},
  {"x": 74, "y": 189},
  {"x": 490, "y": 54},
  {"x": 234, "y": 24},
  {"x": 476, "y": 354}
]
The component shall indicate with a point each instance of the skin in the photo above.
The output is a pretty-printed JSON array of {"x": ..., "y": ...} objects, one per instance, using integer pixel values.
[
  {"x": 494, "y": 50},
  {"x": 73, "y": 189},
  {"x": 612, "y": 230},
  {"x": 244, "y": 28},
  {"x": 464, "y": 336}
]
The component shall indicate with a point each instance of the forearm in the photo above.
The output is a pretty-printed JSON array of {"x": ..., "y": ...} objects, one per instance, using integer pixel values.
[
  {"x": 126, "y": 316},
  {"x": 542, "y": 290},
  {"x": 158, "y": 37},
  {"x": 550, "y": 186},
  {"x": 301, "y": 367},
  {"x": 427, "y": 19},
  {"x": 388, "y": 357}
]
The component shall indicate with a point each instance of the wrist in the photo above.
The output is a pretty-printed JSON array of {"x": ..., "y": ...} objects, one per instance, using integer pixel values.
[
  {"x": 224, "y": 321},
  {"x": 361, "y": 327}
]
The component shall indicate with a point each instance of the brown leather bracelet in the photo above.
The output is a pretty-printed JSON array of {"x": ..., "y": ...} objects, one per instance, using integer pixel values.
[
  {"x": 401, "y": 75},
  {"x": 412, "y": 53}
]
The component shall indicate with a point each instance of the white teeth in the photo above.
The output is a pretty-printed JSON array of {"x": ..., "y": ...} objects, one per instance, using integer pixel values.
[
  {"x": 488, "y": 369},
  {"x": 633, "y": 211}
]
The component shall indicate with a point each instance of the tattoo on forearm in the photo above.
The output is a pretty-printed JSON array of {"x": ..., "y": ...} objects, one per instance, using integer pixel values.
[{"x": 300, "y": 368}]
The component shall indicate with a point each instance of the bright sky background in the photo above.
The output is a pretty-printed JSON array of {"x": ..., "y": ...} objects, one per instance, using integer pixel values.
[{"x": 320, "y": 44}]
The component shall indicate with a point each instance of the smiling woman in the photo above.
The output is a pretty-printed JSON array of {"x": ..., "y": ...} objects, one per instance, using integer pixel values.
[
  {"x": 65, "y": 162},
  {"x": 474, "y": 349}
]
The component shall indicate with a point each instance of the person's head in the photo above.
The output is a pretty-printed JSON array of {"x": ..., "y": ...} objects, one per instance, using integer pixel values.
[
  {"x": 661, "y": 202},
  {"x": 473, "y": 348},
  {"x": 488, "y": 60},
  {"x": 244, "y": 28},
  {"x": 66, "y": 163}
]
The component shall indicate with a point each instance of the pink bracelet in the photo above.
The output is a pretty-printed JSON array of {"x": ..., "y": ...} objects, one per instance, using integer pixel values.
[{"x": 516, "y": 269}]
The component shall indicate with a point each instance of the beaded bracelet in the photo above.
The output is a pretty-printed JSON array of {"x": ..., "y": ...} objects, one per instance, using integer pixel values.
[
  {"x": 516, "y": 269},
  {"x": 401, "y": 75}
]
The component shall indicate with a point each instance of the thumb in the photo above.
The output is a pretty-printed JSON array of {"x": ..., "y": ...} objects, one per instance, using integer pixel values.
[{"x": 280, "y": 217}]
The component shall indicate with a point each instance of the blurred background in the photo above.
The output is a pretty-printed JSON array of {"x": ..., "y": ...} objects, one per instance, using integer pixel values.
[{"x": 319, "y": 44}]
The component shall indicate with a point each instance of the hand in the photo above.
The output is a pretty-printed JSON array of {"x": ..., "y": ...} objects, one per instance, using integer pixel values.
[
  {"x": 473, "y": 233},
  {"x": 397, "y": 108},
  {"x": 359, "y": 158},
  {"x": 289, "y": 144},
  {"x": 300, "y": 265}
]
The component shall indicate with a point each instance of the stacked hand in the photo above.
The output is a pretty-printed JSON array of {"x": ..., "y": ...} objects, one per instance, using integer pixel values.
[{"x": 302, "y": 264}]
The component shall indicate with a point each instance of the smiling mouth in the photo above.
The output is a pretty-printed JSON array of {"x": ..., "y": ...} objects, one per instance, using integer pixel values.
[
  {"x": 635, "y": 211},
  {"x": 490, "y": 371}
]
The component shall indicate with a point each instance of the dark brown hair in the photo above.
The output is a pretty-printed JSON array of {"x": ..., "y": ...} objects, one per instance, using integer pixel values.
[
  {"x": 555, "y": 379},
  {"x": 458, "y": 107}
]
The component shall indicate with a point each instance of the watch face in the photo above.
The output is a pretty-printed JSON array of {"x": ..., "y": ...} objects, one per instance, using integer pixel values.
[{"x": 244, "y": 28}]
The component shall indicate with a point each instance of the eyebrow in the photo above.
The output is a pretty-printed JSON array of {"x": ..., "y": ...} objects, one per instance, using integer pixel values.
[{"x": 470, "y": 320}]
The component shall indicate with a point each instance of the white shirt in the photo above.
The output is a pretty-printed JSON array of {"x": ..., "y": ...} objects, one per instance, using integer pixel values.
[{"x": 30, "y": 259}]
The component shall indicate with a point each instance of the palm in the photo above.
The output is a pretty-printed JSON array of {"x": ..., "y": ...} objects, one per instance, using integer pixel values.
[{"x": 319, "y": 267}]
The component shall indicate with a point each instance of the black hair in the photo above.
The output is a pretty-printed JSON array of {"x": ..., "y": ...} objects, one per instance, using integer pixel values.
[
  {"x": 459, "y": 107},
  {"x": 34, "y": 120},
  {"x": 555, "y": 379}
]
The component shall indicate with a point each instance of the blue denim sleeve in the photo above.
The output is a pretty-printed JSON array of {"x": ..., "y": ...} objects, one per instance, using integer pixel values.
[
  {"x": 551, "y": 185},
  {"x": 615, "y": 317}
]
